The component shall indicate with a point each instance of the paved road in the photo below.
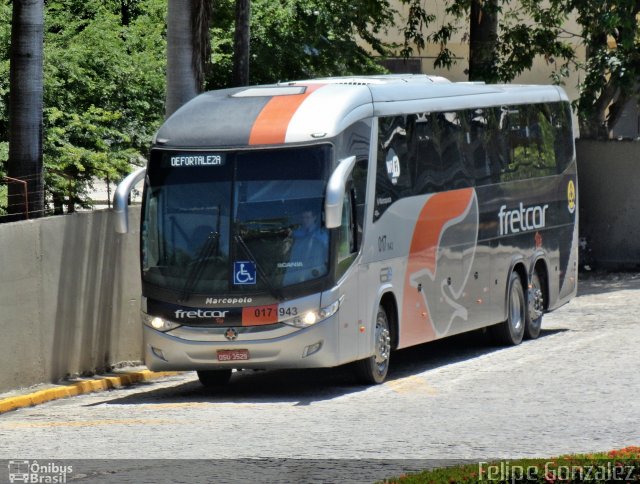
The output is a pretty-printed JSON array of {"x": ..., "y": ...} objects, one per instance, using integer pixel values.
[{"x": 575, "y": 389}]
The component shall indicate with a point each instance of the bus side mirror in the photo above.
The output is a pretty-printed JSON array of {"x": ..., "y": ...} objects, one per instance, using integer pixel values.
[
  {"x": 121, "y": 199},
  {"x": 334, "y": 197}
]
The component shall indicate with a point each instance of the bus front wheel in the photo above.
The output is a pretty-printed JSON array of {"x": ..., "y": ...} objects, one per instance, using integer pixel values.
[
  {"x": 373, "y": 370},
  {"x": 214, "y": 378},
  {"x": 511, "y": 331}
]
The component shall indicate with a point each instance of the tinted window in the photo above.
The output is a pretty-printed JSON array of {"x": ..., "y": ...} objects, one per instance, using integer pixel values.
[{"x": 431, "y": 152}]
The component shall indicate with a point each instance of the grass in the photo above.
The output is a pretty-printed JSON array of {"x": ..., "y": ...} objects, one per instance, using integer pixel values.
[{"x": 615, "y": 466}]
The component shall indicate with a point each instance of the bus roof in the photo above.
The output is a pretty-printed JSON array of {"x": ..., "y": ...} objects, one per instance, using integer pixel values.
[{"x": 311, "y": 110}]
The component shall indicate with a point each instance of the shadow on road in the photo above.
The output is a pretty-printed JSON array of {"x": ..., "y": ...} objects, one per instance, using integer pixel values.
[
  {"x": 603, "y": 282},
  {"x": 304, "y": 387}
]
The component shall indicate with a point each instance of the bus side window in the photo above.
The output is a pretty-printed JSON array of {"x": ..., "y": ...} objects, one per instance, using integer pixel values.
[
  {"x": 476, "y": 145},
  {"x": 425, "y": 144},
  {"x": 150, "y": 230},
  {"x": 452, "y": 139},
  {"x": 393, "y": 176},
  {"x": 359, "y": 177},
  {"x": 563, "y": 141},
  {"x": 347, "y": 248}
]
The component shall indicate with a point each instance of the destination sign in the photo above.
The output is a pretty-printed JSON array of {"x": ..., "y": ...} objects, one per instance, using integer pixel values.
[{"x": 180, "y": 160}]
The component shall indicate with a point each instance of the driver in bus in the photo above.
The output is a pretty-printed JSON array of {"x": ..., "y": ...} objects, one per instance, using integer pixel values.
[
  {"x": 311, "y": 228},
  {"x": 309, "y": 249}
]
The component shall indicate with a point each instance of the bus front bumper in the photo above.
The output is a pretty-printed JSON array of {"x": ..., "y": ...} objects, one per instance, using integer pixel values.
[{"x": 312, "y": 347}]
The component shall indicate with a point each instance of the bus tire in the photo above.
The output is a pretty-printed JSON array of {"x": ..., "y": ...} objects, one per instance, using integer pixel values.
[
  {"x": 511, "y": 331},
  {"x": 214, "y": 378},
  {"x": 535, "y": 307},
  {"x": 373, "y": 370}
]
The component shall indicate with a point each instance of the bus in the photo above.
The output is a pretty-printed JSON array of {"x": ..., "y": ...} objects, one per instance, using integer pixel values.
[{"x": 331, "y": 221}]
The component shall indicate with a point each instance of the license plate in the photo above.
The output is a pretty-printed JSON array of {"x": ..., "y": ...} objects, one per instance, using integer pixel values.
[{"x": 233, "y": 355}]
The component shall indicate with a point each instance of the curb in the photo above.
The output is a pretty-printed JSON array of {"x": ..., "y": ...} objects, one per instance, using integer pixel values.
[{"x": 81, "y": 388}]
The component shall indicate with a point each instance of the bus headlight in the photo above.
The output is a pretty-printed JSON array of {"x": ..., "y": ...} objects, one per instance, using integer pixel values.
[
  {"x": 312, "y": 317},
  {"x": 159, "y": 324}
]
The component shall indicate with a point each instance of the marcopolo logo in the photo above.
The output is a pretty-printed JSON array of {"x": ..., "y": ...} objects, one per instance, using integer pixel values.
[
  {"x": 37, "y": 472},
  {"x": 228, "y": 300},
  {"x": 200, "y": 313},
  {"x": 522, "y": 219}
]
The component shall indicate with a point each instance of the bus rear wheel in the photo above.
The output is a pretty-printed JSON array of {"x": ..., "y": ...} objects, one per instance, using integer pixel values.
[
  {"x": 373, "y": 370},
  {"x": 214, "y": 378},
  {"x": 535, "y": 308},
  {"x": 511, "y": 331}
]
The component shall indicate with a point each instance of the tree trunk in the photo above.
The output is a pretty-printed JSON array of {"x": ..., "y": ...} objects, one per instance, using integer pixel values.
[
  {"x": 125, "y": 13},
  {"x": 25, "y": 109},
  {"x": 182, "y": 84},
  {"x": 483, "y": 36},
  {"x": 241, "y": 38}
]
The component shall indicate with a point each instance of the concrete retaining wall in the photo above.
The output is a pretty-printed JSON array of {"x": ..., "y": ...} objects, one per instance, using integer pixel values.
[
  {"x": 69, "y": 297},
  {"x": 609, "y": 191}
]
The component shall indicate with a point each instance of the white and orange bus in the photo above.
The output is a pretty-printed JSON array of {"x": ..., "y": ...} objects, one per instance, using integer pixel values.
[{"x": 325, "y": 222}]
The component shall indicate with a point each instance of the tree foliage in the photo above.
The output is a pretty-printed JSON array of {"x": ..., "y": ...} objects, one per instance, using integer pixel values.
[
  {"x": 527, "y": 29},
  {"x": 293, "y": 39},
  {"x": 103, "y": 91},
  {"x": 105, "y": 63},
  {"x": 611, "y": 35},
  {"x": 610, "y": 32}
]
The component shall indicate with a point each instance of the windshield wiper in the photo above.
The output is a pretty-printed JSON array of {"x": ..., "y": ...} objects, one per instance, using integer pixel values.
[
  {"x": 272, "y": 290},
  {"x": 196, "y": 270}
]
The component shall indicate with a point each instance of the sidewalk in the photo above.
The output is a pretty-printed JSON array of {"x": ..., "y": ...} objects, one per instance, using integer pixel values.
[{"x": 28, "y": 397}]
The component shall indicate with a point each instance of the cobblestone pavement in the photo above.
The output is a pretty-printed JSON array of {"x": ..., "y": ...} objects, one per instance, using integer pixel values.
[{"x": 575, "y": 389}]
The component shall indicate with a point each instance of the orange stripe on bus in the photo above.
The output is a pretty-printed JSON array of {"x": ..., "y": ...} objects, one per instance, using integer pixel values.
[
  {"x": 439, "y": 209},
  {"x": 436, "y": 213},
  {"x": 271, "y": 124}
]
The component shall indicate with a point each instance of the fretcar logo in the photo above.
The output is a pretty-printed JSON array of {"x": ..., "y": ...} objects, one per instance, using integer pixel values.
[
  {"x": 522, "y": 219},
  {"x": 200, "y": 313}
]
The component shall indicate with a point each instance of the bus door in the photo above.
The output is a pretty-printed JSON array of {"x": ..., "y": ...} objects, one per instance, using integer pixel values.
[{"x": 348, "y": 276}]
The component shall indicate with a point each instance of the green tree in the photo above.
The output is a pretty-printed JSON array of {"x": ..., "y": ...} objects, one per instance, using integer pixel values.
[
  {"x": 504, "y": 37},
  {"x": 293, "y": 39},
  {"x": 103, "y": 91},
  {"x": 611, "y": 34}
]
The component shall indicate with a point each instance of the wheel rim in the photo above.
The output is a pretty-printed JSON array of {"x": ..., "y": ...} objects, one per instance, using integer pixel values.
[
  {"x": 383, "y": 342},
  {"x": 536, "y": 298},
  {"x": 516, "y": 313}
]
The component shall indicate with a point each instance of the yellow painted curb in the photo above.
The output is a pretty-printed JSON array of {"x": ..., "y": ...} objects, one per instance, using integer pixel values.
[{"x": 81, "y": 387}]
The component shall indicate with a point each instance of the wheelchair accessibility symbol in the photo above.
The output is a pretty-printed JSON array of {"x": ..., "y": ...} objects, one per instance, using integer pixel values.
[{"x": 244, "y": 272}]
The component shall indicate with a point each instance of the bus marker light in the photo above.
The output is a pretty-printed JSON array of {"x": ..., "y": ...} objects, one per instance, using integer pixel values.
[
  {"x": 158, "y": 352},
  {"x": 312, "y": 349},
  {"x": 362, "y": 329}
]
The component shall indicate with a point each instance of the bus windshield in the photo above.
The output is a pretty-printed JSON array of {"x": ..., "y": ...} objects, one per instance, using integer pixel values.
[{"x": 229, "y": 222}]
